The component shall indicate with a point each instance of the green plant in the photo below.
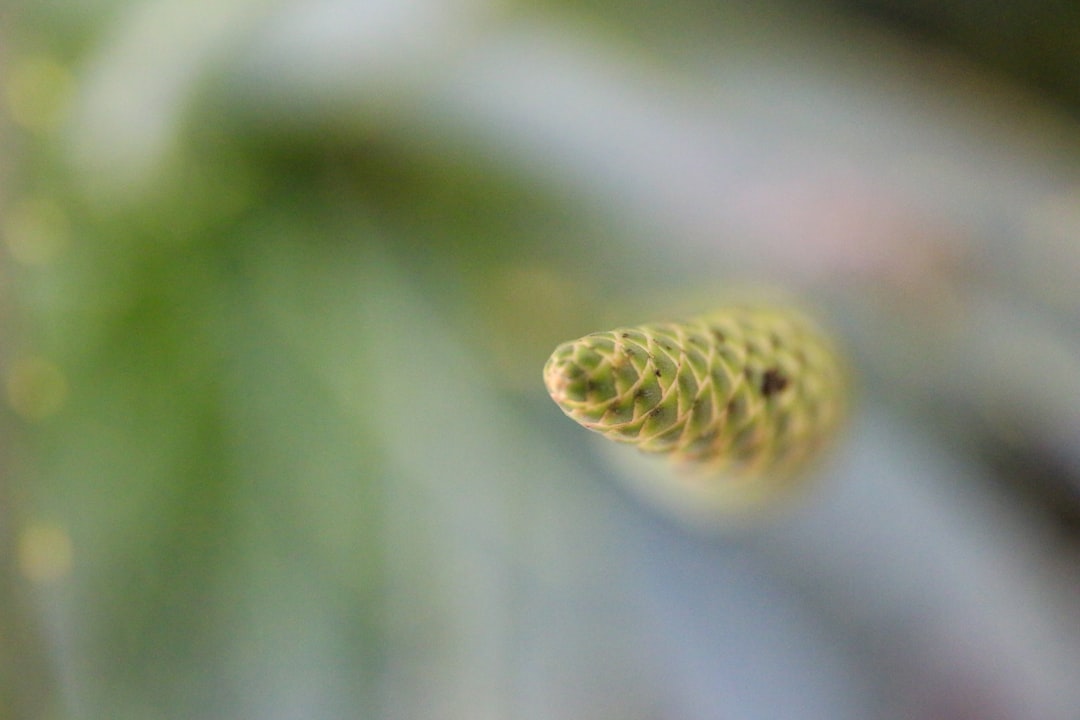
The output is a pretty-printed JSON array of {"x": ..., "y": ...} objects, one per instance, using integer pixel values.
[{"x": 749, "y": 394}]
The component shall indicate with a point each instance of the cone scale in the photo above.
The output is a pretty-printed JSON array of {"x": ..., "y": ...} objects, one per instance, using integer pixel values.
[{"x": 742, "y": 392}]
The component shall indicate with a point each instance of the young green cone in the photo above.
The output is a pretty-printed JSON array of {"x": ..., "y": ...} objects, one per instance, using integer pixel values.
[{"x": 746, "y": 391}]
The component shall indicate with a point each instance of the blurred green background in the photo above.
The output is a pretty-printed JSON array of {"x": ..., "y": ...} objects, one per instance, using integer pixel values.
[{"x": 279, "y": 279}]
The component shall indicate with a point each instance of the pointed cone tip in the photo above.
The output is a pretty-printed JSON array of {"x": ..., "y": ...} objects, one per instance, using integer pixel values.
[{"x": 567, "y": 379}]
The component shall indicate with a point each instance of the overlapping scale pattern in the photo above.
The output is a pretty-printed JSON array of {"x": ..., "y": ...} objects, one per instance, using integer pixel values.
[{"x": 745, "y": 390}]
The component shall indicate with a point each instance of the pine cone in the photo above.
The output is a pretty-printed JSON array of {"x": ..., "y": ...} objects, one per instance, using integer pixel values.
[{"x": 746, "y": 391}]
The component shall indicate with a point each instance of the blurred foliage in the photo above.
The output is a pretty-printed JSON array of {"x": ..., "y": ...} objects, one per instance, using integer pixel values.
[
  {"x": 1037, "y": 42},
  {"x": 261, "y": 388},
  {"x": 202, "y": 405}
]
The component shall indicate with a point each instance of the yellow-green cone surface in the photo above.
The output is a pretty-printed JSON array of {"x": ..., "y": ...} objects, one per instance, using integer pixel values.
[{"x": 746, "y": 391}]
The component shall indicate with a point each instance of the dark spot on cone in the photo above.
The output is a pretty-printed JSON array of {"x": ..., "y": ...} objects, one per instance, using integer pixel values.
[{"x": 773, "y": 382}]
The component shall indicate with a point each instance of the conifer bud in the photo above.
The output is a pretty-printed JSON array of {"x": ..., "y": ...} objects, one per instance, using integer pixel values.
[{"x": 743, "y": 391}]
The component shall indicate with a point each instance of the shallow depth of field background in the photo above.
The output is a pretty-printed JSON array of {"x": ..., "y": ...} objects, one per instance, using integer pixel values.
[{"x": 278, "y": 280}]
